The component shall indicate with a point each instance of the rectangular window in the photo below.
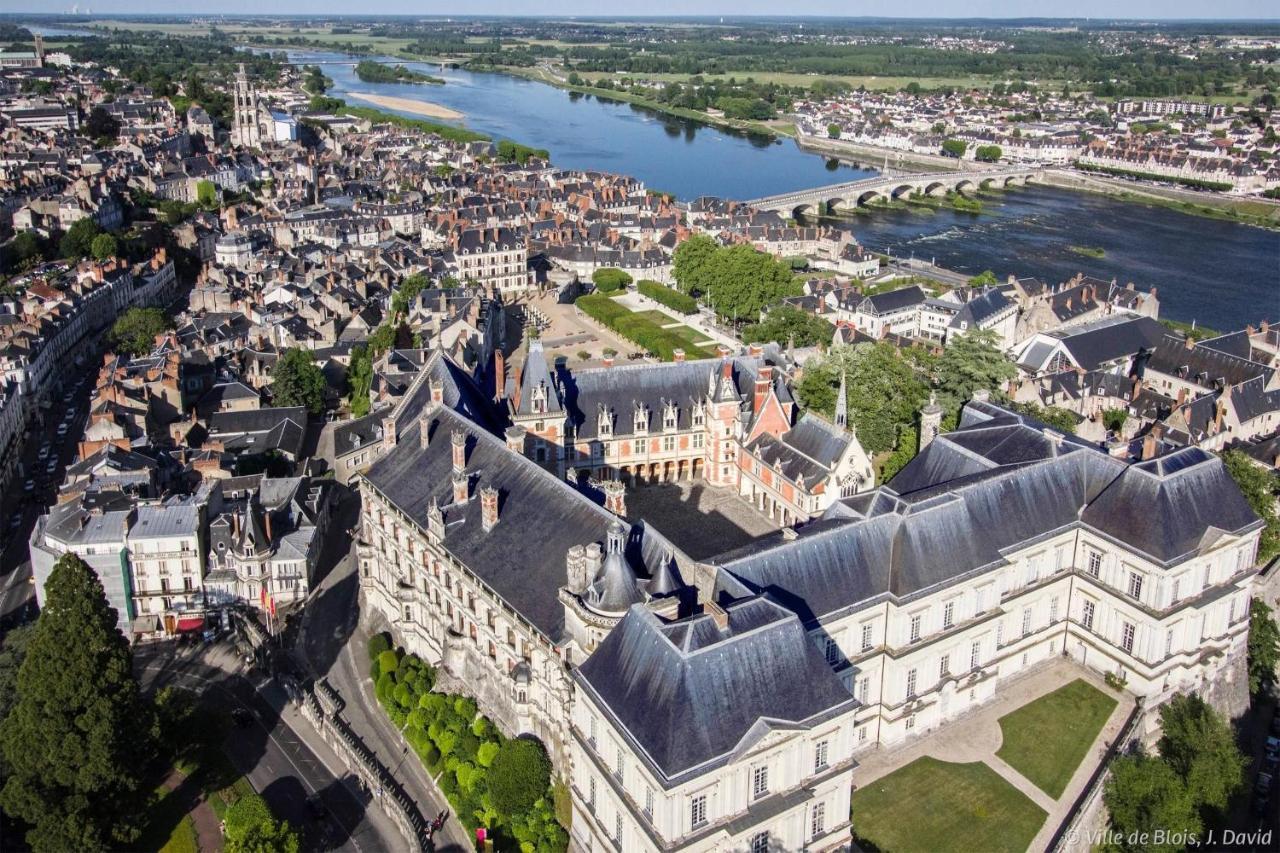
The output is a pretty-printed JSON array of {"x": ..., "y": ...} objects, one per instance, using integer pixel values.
[
  {"x": 648, "y": 803},
  {"x": 999, "y": 634},
  {"x": 864, "y": 689},
  {"x": 1026, "y": 621},
  {"x": 698, "y": 810},
  {"x": 911, "y": 684},
  {"x": 818, "y": 824},
  {"x": 1168, "y": 643},
  {"x": 1175, "y": 596},
  {"x": 944, "y": 666},
  {"x": 975, "y": 655},
  {"x": 862, "y": 734},
  {"x": 980, "y": 600},
  {"x": 760, "y": 781},
  {"x": 1086, "y": 615},
  {"x": 1135, "y": 585},
  {"x": 760, "y": 842},
  {"x": 915, "y": 627},
  {"x": 1095, "y": 564},
  {"x": 591, "y": 794},
  {"x": 866, "y": 638},
  {"x": 831, "y": 651},
  {"x": 948, "y": 614},
  {"x": 911, "y": 722},
  {"x": 820, "y": 756},
  {"x": 1126, "y": 636},
  {"x": 1053, "y": 609}
]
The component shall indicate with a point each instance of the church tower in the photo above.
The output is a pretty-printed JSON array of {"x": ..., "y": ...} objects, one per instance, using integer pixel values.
[{"x": 244, "y": 131}]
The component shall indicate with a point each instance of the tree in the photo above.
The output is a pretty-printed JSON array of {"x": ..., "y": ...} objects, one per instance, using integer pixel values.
[
  {"x": 79, "y": 737},
  {"x": 737, "y": 281},
  {"x": 251, "y": 828},
  {"x": 972, "y": 362},
  {"x": 1259, "y": 487},
  {"x": 608, "y": 279},
  {"x": 986, "y": 278},
  {"x": 1264, "y": 647},
  {"x": 882, "y": 390},
  {"x": 988, "y": 153},
  {"x": 690, "y": 260},
  {"x": 407, "y": 293},
  {"x": 297, "y": 381},
  {"x": 954, "y": 147},
  {"x": 134, "y": 332},
  {"x": 102, "y": 126},
  {"x": 23, "y": 252},
  {"x": 787, "y": 323},
  {"x": 207, "y": 194},
  {"x": 1198, "y": 744},
  {"x": 519, "y": 776},
  {"x": 1144, "y": 795},
  {"x": 104, "y": 247},
  {"x": 1114, "y": 419},
  {"x": 833, "y": 130},
  {"x": 78, "y": 241},
  {"x": 1063, "y": 420}
]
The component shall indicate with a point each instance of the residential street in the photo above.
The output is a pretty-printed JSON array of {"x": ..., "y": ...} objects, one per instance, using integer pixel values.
[{"x": 330, "y": 645}]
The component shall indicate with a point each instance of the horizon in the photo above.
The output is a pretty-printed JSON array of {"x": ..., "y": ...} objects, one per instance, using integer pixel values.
[{"x": 1142, "y": 11}]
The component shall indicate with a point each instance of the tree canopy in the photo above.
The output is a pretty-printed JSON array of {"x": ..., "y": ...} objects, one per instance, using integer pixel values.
[
  {"x": 519, "y": 775},
  {"x": 609, "y": 279},
  {"x": 736, "y": 281},
  {"x": 882, "y": 389},
  {"x": 1260, "y": 488},
  {"x": 1143, "y": 795},
  {"x": 77, "y": 242},
  {"x": 1264, "y": 646},
  {"x": 1201, "y": 748},
  {"x": 972, "y": 362},
  {"x": 134, "y": 332},
  {"x": 296, "y": 380},
  {"x": 251, "y": 828},
  {"x": 104, "y": 247},
  {"x": 785, "y": 324},
  {"x": 78, "y": 738}
]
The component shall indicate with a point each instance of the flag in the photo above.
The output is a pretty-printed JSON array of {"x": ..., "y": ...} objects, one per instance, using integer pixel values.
[
  {"x": 271, "y": 602},
  {"x": 262, "y": 596}
]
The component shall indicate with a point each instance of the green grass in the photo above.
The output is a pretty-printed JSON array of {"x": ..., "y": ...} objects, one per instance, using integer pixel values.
[
  {"x": 183, "y": 839},
  {"x": 934, "y": 806},
  {"x": 1046, "y": 739}
]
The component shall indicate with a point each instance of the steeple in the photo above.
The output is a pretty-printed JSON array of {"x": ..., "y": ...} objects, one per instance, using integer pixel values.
[{"x": 842, "y": 405}]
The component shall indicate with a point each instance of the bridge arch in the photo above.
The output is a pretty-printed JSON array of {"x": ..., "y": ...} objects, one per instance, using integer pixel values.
[
  {"x": 902, "y": 190},
  {"x": 1016, "y": 180},
  {"x": 804, "y": 209},
  {"x": 964, "y": 186},
  {"x": 936, "y": 188},
  {"x": 836, "y": 204},
  {"x": 869, "y": 197}
]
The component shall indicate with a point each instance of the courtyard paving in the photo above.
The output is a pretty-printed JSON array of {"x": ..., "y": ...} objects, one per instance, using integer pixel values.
[{"x": 699, "y": 519}]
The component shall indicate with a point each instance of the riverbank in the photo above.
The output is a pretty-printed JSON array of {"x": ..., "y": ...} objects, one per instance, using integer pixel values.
[
  {"x": 1254, "y": 212},
  {"x": 540, "y": 74},
  {"x": 408, "y": 105},
  {"x": 878, "y": 157}
]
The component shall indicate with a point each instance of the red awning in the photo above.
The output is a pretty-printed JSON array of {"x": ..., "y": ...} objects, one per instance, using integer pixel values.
[{"x": 190, "y": 623}]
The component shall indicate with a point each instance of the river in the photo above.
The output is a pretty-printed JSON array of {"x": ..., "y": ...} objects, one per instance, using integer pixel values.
[{"x": 1217, "y": 273}]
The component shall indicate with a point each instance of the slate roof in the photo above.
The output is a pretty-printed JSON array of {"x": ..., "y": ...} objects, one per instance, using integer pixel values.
[
  {"x": 810, "y": 449},
  {"x": 540, "y": 516},
  {"x": 259, "y": 430},
  {"x": 687, "y": 694},
  {"x": 1204, "y": 365},
  {"x": 893, "y": 300},
  {"x": 999, "y": 482}
]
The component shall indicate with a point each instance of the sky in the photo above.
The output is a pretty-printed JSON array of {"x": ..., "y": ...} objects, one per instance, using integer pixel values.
[{"x": 1149, "y": 9}]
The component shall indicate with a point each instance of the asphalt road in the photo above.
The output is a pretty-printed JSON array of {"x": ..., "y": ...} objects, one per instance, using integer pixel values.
[{"x": 281, "y": 755}]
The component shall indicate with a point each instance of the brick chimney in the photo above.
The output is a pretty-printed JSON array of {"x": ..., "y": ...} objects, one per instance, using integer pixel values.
[
  {"x": 755, "y": 350},
  {"x": 499, "y": 374},
  {"x": 764, "y": 380},
  {"x": 461, "y": 487},
  {"x": 424, "y": 431},
  {"x": 594, "y": 560},
  {"x": 459, "y": 441},
  {"x": 677, "y": 355},
  {"x": 608, "y": 361},
  {"x": 388, "y": 432},
  {"x": 615, "y": 497},
  {"x": 724, "y": 351},
  {"x": 717, "y": 614},
  {"x": 437, "y": 391},
  {"x": 515, "y": 439},
  {"x": 1150, "y": 445},
  {"x": 488, "y": 508}
]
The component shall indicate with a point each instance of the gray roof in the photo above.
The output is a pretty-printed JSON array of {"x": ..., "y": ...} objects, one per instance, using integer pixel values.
[
  {"x": 540, "y": 516},
  {"x": 688, "y": 694}
]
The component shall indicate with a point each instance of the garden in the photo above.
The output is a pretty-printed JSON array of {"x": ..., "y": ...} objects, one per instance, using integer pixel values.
[
  {"x": 491, "y": 781},
  {"x": 1046, "y": 739},
  {"x": 644, "y": 331}
]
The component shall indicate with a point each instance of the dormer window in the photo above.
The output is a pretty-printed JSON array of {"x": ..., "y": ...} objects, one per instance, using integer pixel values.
[
  {"x": 538, "y": 400},
  {"x": 604, "y": 424},
  {"x": 698, "y": 415},
  {"x": 670, "y": 416},
  {"x": 641, "y": 418}
]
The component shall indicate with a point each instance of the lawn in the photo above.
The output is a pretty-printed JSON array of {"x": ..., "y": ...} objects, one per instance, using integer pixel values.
[
  {"x": 183, "y": 839},
  {"x": 1045, "y": 740},
  {"x": 932, "y": 806}
]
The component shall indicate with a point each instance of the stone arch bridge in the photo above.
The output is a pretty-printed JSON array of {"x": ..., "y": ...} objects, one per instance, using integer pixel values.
[{"x": 854, "y": 194}]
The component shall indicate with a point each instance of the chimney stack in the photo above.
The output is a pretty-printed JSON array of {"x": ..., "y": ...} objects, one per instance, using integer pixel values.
[
  {"x": 677, "y": 355},
  {"x": 724, "y": 351},
  {"x": 515, "y": 439},
  {"x": 615, "y": 497},
  {"x": 499, "y": 374},
  {"x": 717, "y": 614},
  {"x": 459, "y": 441},
  {"x": 594, "y": 560},
  {"x": 461, "y": 489},
  {"x": 755, "y": 350},
  {"x": 424, "y": 432},
  {"x": 763, "y": 381},
  {"x": 388, "y": 432},
  {"x": 437, "y": 391},
  {"x": 1149, "y": 447},
  {"x": 488, "y": 508}
]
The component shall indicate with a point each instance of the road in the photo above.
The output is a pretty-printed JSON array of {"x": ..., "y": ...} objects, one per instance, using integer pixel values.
[
  {"x": 331, "y": 644},
  {"x": 283, "y": 757}
]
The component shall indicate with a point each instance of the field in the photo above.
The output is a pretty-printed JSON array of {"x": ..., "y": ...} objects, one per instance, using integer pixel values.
[
  {"x": 784, "y": 78},
  {"x": 934, "y": 806},
  {"x": 1046, "y": 740}
]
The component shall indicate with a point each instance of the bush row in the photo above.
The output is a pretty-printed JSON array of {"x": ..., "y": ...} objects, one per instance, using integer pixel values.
[
  {"x": 501, "y": 784},
  {"x": 639, "y": 330},
  {"x": 1194, "y": 183},
  {"x": 673, "y": 299}
]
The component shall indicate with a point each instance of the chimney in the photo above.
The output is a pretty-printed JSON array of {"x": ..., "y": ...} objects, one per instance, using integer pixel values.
[
  {"x": 488, "y": 508},
  {"x": 515, "y": 439},
  {"x": 677, "y": 355},
  {"x": 437, "y": 391},
  {"x": 755, "y": 350},
  {"x": 461, "y": 486},
  {"x": 615, "y": 497},
  {"x": 235, "y": 525},
  {"x": 724, "y": 351},
  {"x": 459, "y": 441},
  {"x": 1182, "y": 396},
  {"x": 424, "y": 431},
  {"x": 266, "y": 523},
  {"x": 982, "y": 395},
  {"x": 499, "y": 373},
  {"x": 594, "y": 560},
  {"x": 762, "y": 384},
  {"x": 1149, "y": 447},
  {"x": 388, "y": 432},
  {"x": 717, "y": 614},
  {"x": 608, "y": 361},
  {"x": 1189, "y": 343}
]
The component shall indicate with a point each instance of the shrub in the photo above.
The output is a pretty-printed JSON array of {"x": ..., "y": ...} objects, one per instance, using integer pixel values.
[
  {"x": 519, "y": 776},
  {"x": 673, "y": 299},
  {"x": 378, "y": 644},
  {"x": 487, "y": 752},
  {"x": 609, "y": 279},
  {"x": 388, "y": 661}
]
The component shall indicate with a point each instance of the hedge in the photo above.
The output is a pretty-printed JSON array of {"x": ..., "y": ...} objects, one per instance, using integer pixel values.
[
  {"x": 637, "y": 329},
  {"x": 609, "y": 279},
  {"x": 673, "y": 299},
  {"x": 1195, "y": 183},
  {"x": 461, "y": 748}
]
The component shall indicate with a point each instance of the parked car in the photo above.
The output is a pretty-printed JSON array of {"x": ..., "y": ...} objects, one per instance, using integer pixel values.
[
  {"x": 62, "y": 430},
  {"x": 1263, "y": 784},
  {"x": 51, "y": 467},
  {"x": 29, "y": 486},
  {"x": 1273, "y": 745},
  {"x": 44, "y": 451},
  {"x": 15, "y": 521}
]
